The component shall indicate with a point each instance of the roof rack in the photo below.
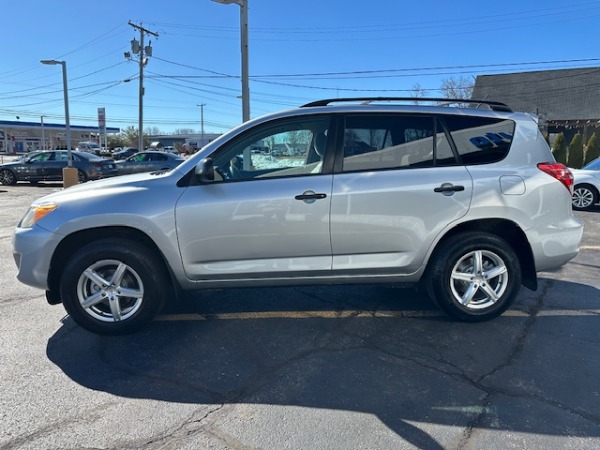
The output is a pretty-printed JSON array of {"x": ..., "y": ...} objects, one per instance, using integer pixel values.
[{"x": 494, "y": 106}]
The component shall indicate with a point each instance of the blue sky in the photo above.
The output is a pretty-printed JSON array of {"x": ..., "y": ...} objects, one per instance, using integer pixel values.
[{"x": 299, "y": 51}]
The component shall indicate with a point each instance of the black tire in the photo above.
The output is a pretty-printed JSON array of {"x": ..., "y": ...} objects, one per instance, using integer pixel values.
[
  {"x": 7, "y": 177},
  {"x": 469, "y": 290},
  {"x": 585, "y": 196},
  {"x": 101, "y": 272},
  {"x": 81, "y": 176}
]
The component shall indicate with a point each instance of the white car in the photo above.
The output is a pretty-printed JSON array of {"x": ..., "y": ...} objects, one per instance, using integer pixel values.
[{"x": 586, "y": 192}]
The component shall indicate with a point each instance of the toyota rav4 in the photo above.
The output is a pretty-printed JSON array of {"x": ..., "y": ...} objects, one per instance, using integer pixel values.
[{"x": 467, "y": 201}]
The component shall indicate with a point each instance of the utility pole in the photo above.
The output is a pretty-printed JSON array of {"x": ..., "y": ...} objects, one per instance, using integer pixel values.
[
  {"x": 43, "y": 146},
  {"x": 138, "y": 48},
  {"x": 202, "y": 105}
]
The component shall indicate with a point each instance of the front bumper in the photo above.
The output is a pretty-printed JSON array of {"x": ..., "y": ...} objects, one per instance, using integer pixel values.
[{"x": 32, "y": 250}]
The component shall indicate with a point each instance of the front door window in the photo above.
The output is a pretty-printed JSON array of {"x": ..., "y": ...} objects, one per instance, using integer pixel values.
[{"x": 286, "y": 149}]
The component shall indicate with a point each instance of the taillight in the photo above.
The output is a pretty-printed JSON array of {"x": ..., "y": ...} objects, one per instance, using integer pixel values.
[{"x": 560, "y": 172}]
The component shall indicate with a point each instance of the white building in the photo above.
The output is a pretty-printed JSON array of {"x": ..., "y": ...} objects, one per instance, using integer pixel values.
[{"x": 18, "y": 137}]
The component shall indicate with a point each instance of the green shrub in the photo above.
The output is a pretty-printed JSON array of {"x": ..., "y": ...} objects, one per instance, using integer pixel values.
[
  {"x": 576, "y": 152},
  {"x": 593, "y": 149},
  {"x": 560, "y": 149}
]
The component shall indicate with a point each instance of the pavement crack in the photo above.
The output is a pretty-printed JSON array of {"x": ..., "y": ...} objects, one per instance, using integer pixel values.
[
  {"x": 518, "y": 347},
  {"x": 189, "y": 427},
  {"x": 91, "y": 416},
  {"x": 104, "y": 355}
]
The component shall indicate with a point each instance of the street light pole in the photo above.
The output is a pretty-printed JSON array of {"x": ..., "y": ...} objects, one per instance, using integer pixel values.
[
  {"x": 243, "y": 4},
  {"x": 69, "y": 173},
  {"x": 66, "y": 95}
]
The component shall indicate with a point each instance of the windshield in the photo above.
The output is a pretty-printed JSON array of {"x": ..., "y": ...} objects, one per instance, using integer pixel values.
[
  {"x": 594, "y": 165},
  {"x": 89, "y": 145}
]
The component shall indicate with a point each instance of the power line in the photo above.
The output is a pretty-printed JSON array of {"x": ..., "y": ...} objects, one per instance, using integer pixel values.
[{"x": 571, "y": 8}]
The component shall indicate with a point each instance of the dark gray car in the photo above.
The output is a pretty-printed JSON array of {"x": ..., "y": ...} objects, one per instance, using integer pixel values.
[
  {"x": 149, "y": 162},
  {"x": 48, "y": 166}
]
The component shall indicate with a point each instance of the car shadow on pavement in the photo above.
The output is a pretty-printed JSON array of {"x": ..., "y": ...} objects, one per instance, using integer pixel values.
[
  {"x": 370, "y": 348},
  {"x": 594, "y": 208}
]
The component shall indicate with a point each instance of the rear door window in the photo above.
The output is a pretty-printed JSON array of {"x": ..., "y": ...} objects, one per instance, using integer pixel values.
[
  {"x": 480, "y": 140},
  {"x": 394, "y": 141}
]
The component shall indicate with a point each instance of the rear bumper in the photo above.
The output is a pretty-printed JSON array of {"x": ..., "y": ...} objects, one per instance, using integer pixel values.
[{"x": 555, "y": 244}]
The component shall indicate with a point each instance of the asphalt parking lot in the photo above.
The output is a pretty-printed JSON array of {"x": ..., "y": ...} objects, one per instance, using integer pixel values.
[{"x": 352, "y": 367}]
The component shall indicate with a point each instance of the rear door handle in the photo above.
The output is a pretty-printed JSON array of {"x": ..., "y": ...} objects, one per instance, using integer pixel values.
[{"x": 449, "y": 188}]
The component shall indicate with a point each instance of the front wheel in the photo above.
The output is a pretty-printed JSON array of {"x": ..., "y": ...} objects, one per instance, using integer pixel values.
[
  {"x": 7, "y": 177},
  {"x": 113, "y": 286},
  {"x": 475, "y": 276}
]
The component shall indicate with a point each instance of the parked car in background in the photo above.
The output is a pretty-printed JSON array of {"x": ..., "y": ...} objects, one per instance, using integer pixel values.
[
  {"x": 149, "y": 161},
  {"x": 586, "y": 191},
  {"x": 124, "y": 153},
  {"x": 24, "y": 156},
  {"x": 93, "y": 147},
  {"x": 48, "y": 166},
  {"x": 469, "y": 203},
  {"x": 89, "y": 147}
]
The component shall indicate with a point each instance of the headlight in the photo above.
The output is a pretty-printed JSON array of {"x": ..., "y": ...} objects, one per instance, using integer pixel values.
[{"x": 35, "y": 213}]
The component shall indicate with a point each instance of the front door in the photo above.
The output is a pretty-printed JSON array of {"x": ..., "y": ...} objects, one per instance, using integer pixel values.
[
  {"x": 34, "y": 167},
  {"x": 266, "y": 214}
]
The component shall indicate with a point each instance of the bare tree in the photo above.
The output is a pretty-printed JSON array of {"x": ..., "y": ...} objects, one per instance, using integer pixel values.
[
  {"x": 130, "y": 136},
  {"x": 461, "y": 87},
  {"x": 184, "y": 131},
  {"x": 419, "y": 92},
  {"x": 297, "y": 139},
  {"x": 152, "y": 130}
]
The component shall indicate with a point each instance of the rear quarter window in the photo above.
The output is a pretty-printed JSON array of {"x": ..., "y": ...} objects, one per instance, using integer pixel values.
[{"x": 480, "y": 140}]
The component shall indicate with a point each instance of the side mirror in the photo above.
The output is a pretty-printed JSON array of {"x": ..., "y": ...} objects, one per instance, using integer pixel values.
[{"x": 205, "y": 170}]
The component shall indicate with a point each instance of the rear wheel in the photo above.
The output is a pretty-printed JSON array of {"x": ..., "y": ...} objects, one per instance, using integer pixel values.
[
  {"x": 475, "y": 276},
  {"x": 7, "y": 177},
  {"x": 113, "y": 286},
  {"x": 584, "y": 197}
]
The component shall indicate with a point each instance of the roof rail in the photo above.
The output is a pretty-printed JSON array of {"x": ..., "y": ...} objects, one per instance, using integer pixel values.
[{"x": 494, "y": 106}]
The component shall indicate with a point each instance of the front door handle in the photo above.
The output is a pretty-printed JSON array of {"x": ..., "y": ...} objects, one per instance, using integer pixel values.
[{"x": 310, "y": 196}]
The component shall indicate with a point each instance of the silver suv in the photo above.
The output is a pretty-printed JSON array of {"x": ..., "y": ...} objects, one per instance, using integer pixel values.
[{"x": 469, "y": 202}]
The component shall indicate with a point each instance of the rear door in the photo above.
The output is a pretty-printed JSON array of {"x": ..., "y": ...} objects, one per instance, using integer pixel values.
[
  {"x": 53, "y": 167},
  {"x": 135, "y": 163},
  {"x": 398, "y": 186},
  {"x": 157, "y": 161}
]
